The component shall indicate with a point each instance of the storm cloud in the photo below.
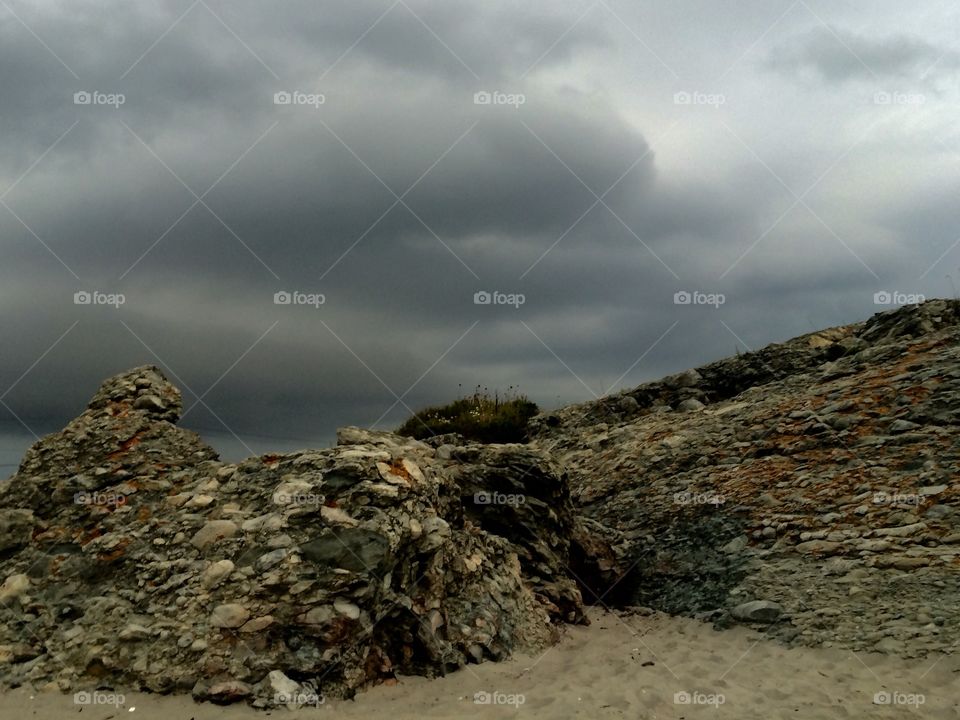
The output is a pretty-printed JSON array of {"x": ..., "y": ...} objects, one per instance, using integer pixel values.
[{"x": 397, "y": 158}]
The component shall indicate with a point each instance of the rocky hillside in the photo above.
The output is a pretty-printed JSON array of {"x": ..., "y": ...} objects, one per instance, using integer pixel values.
[
  {"x": 131, "y": 557},
  {"x": 811, "y": 486}
]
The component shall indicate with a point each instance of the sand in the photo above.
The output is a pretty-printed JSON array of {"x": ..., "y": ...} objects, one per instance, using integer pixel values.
[{"x": 632, "y": 667}]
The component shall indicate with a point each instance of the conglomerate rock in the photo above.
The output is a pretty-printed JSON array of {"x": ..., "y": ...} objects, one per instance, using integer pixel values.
[
  {"x": 820, "y": 474},
  {"x": 810, "y": 487},
  {"x": 130, "y": 556}
]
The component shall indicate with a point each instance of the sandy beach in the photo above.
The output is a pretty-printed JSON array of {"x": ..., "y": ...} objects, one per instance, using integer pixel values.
[{"x": 621, "y": 666}]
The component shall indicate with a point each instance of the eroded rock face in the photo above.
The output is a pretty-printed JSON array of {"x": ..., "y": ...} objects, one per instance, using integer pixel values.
[
  {"x": 822, "y": 475},
  {"x": 116, "y": 446},
  {"x": 130, "y": 556}
]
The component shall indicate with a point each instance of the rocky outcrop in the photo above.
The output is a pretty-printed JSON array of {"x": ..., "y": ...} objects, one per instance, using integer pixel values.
[
  {"x": 131, "y": 556},
  {"x": 819, "y": 474},
  {"x": 809, "y": 488}
]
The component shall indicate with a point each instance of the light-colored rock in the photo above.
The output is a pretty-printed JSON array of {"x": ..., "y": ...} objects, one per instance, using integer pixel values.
[
  {"x": 14, "y": 586},
  {"x": 820, "y": 547},
  {"x": 346, "y": 608},
  {"x": 764, "y": 611},
  {"x": 690, "y": 405},
  {"x": 216, "y": 573},
  {"x": 213, "y": 532},
  {"x": 230, "y": 615},
  {"x": 257, "y": 624}
]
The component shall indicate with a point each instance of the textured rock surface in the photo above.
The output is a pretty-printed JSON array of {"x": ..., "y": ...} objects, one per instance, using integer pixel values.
[
  {"x": 810, "y": 487},
  {"x": 822, "y": 475},
  {"x": 130, "y": 556}
]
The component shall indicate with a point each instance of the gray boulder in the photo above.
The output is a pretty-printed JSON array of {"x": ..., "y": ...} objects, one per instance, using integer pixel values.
[{"x": 762, "y": 611}]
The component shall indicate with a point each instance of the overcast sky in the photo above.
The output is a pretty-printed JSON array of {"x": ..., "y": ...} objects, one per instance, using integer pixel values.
[{"x": 794, "y": 158}]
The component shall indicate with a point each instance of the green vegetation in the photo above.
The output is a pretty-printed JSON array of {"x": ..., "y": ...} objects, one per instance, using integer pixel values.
[{"x": 480, "y": 417}]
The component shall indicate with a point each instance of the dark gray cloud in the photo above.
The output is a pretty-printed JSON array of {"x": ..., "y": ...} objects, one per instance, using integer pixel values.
[
  {"x": 842, "y": 55},
  {"x": 399, "y": 197}
]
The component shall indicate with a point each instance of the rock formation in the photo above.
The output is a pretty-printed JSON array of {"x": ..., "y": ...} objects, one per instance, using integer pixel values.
[
  {"x": 819, "y": 476},
  {"x": 809, "y": 488},
  {"x": 132, "y": 557}
]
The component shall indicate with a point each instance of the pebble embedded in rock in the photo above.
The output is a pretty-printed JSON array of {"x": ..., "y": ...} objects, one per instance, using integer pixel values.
[
  {"x": 231, "y": 615},
  {"x": 690, "y": 405},
  {"x": 212, "y": 532},
  {"x": 216, "y": 573},
  {"x": 763, "y": 611}
]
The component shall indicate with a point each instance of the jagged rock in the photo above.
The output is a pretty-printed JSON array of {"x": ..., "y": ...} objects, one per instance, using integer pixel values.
[
  {"x": 16, "y": 527},
  {"x": 145, "y": 561},
  {"x": 808, "y": 453},
  {"x": 142, "y": 560},
  {"x": 109, "y": 453},
  {"x": 143, "y": 388},
  {"x": 688, "y": 378},
  {"x": 519, "y": 494}
]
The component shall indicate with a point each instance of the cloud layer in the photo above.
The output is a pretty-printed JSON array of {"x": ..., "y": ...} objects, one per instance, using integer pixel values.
[{"x": 795, "y": 159}]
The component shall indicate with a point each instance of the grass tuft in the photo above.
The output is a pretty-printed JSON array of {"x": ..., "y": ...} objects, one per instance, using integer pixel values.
[{"x": 481, "y": 417}]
